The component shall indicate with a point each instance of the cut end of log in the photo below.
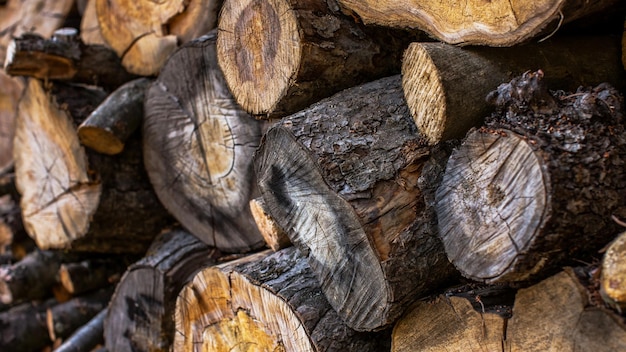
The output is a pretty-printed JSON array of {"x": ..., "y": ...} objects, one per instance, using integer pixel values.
[
  {"x": 491, "y": 204},
  {"x": 148, "y": 54},
  {"x": 613, "y": 279},
  {"x": 100, "y": 140},
  {"x": 257, "y": 53},
  {"x": 274, "y": 236}
]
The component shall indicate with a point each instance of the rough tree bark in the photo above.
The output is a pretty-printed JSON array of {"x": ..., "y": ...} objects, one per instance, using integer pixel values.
[
  {"x": 445, "y": 86},
  {"x": 139, "y": 316},
  {"x": 538, "y": 185},
  {"x": 279, "y": 56},
  {"x": 493, "y": 23},
  {"x": 198, "y": 147},
  {"x": 268, "y": 302},
  {"x": 346, "y": 179},
  {"x": 23, "y": 328}
]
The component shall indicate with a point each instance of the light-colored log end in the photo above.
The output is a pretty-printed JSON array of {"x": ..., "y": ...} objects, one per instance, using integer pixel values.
[
  {"x": 613, "y": 277},
  {"x": 100, "y": 140},
  {"x": 274, "y": 236}
]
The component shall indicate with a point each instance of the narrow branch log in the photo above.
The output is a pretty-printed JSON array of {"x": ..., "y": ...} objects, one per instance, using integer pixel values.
[
  {"x": 198, "y": 147},
  {"x": 87, "y": 337},
  {"x": 139, "y": 317},
  {"x": 274, "y": 236},
  {"x": 445, "y": 86},
  {"x": 270, "y": 301},
  {"x": 613, "y": 275},
  {"x": 23, "y": 328},
  {"x": 88, "y": 275},
  {"x": 346, "y": 178},
  {"x": 63, "y": 319}
]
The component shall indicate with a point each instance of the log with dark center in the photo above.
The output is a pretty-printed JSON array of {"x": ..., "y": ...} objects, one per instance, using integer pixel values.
[
  {"x": 198, "y": 147},
  {"x": 537, "y": 186},
  {"x": 264, "y": 302},
  {"x": 349, "y": 179}
]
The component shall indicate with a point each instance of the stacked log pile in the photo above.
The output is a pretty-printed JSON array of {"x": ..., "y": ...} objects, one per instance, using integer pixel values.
[{"x": 428, "y": 177}]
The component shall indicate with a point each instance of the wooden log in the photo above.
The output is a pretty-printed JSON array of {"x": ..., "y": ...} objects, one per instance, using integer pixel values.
[
  {"x": 23, "y": 328},
  {"x": 10, "y": 91},
  {"x": 89, "y": 27},
  {"x": 73, "y": 199},
  {"x": 348, "y": 179},
  {"x": 198, "y": 146},
  {"x": 558, "y": 315},
  {"x": 445, "y": 86},
  {"x": 613, "y": 274},
  {"x": 269, "y": 302},
  {"x": 109, "y": 126},
  {"x": 65, "y": 57},
  {"x": 497, "y": 23},
  {"x": 144, "y": 34},
  {"x": 139, "y": 316},
  {"x": 88, "y": 275},
  {"x": 87, "y": 338},
  {"x": 535, "y": 187},
  {"x": 65, "y": 318},
  {"x": 280, "y": 56},
  {"x": 274, "y": 236}
]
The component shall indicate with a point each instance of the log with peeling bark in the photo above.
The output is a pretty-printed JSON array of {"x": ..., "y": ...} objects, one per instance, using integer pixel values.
[
  {"x": 270, "y": 301},
  {"x": 445, "y": 86},
  {"x": 280, "y": 56},
  {"x": 86, "y": 338},
  {"x": 613, "y": 274},
  {"x": 109, "y": 126},
  {"x": 76, "y": 199},
  {"x": 11, "y": 89},
  {"x": 351, "y": 180},
  {"x": 559, "y": 314},
  {"x": 23, "y": 328},
  {"x": 144, "y": 33},
  {"x": 198, "y": 146},
  {"x": 274, "y": 236},
  {"x": 88, "y": 275},
  {"x": 493, "y": 23},
  {"x": 537, "y": 186},
  {"x": 141, "y": 310}
]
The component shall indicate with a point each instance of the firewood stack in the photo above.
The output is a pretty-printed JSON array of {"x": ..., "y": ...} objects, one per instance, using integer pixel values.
[{"x": 428, "y": 177}]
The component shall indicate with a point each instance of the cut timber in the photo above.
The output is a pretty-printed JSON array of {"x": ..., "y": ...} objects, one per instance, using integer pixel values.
[
  {"x": 87, "y": 337},
  {"x": 65, "y": 57},
  {"x": 145, "y": 33},
  {"x": 109, "y": 126},
  {"x": 274, "y": 236},
  {"x": 78, "y": 278},
  {"x": 613, "y": 275},
  {"x": 445, "y": 86},
  {"x": 279, "y": 56},
  {"x": 64, "y": 318},
  {"x": 265, "y": 302},
  {"x": 556, "y": 315},
  {"x": 538, "y": 185},
  {"x": 345, "y": 178},
  {"x": 493, "y": 23},
  {"x": 198, "y": 147},
  {"x": 89, "y": 28},
  {"x": 141, "y": 310},
  {"x": 23, "y": 328},
  {"x": 10, "y": 91}
]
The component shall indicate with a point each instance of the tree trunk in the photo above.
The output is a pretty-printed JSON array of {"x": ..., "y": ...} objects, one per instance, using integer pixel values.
[
  {"x": 613, "y": 274},
  {"x": 497, "y": 23},
  {"x": 445, "y": 86},
  {"x": 198, "y": 147},
  {"x": 274, "y": 236},
  {"x": 537, "y": 186},
  {"x": 139, "y": 317},
  {"x": 270, "y": 301},
  {"x": 87, "y": 337},
  {"x": 280, "y": 56},
  {"x": 348, "y": 180}
]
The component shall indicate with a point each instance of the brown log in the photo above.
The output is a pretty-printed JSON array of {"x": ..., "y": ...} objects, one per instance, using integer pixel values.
[
  {"x": 89, "y": 28},
  {"x": 274, "y": 236},
  {"x": 65, "y": 318},
  {"x": 144, "y": 33},
  {"x": 538, "y": 185},
  {"x": 613, "y": 274},
  {"x": 109, "y": 126},
  {"x": 280, "y": 56},
  {"x": 266, "y": 302},
  {"x": 91, "y": 274},
  {"x": 10, "y": 91},
  {"x": 445, "y": 86},
  {"x": 350, "y": 180},
  {"x": 141, "y": 310},
  {"x": 198, "y": 147},
  {"x": 87, "y": 338},
  {"x": 496, "y": 23},
  {"x": 23, "y": 328}
]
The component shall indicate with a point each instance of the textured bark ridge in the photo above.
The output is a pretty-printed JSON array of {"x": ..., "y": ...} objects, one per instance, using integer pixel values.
[
  {"x": 198, "y": 147},
  {"x": 346, "y": 180},
  {"x": 445, "y": 86},
  {"x": 280, "y": 56},
  {"x": 538, "y": 185},
  {"x": 494, "y": 23},
  {"x": 270, "y": 302}
]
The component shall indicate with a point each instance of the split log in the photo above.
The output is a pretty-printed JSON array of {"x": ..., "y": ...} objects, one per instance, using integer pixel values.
[
  {"x": 87, "y": 337},
  {"x": 537, "y": 186},
  {"x": 558, "y": 315},
  {"x": 65, "y": 318},
  {"x": 493, "y": 23},
  {"x": 280, "y": 56},
  {"x": 274, "y": 236},
  {"x": 73, "y": 199},
  {"x": 350, "y": 180},
  {"x": 269, "y": 301},
  {"x": 89, "y": 27},
  {"x": 65, "y": 57},
  {"x": 10, "y": 91},
  {"x": 23, "y": 328},
  {"x": 198, "y": 147},
  {"x": 109, "y": 126},
  {"x": 144, "y": 33},
  {"x": 613, "y": 274},
  {"x": 92, "y": 274},
  {"x": 139, "y": 316},
  {"x": 445, "y": 86}
]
